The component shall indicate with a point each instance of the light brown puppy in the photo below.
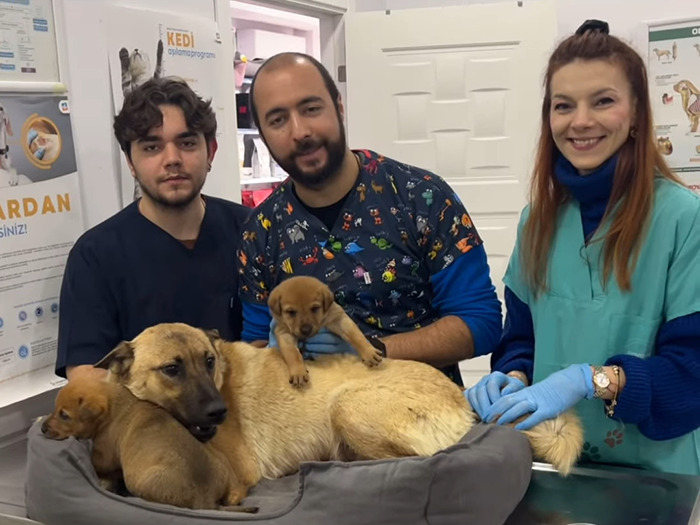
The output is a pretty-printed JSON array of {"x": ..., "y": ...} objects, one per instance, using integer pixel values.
[
  {"x": 402, "y": 408},
  {"x": 302, "y": 306},
  {"x": 159, "y": 459}
]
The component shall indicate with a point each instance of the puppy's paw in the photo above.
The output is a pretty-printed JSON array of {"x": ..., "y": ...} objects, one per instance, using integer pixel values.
[
  {"x": 299, "y": 380},
  {"x": 371, "y": 357}
]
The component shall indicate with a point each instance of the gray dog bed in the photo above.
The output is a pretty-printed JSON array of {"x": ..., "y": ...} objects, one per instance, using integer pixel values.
[{"x": 478, "y": 481}]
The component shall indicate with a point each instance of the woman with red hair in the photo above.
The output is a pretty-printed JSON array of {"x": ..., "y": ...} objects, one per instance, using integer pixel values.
[{"x": 603, "y": 287}]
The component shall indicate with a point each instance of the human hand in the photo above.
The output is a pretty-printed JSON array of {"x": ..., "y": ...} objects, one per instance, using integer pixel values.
[
  {"x": 490, "y": 389},
  {"x": 546, "y": 399},
  {"x": 324, "y": 342}
]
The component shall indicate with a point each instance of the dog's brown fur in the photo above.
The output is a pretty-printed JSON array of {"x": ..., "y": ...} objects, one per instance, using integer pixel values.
[
  {"x": 402, "y": 408},
  {"x": 159, "y": 459},
  {"x": 302, "y": 306}
]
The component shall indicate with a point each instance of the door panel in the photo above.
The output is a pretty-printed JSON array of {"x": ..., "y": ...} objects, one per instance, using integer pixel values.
[{"x": 457, "y": 91}]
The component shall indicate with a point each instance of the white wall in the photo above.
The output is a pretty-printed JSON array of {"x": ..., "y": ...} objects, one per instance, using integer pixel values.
[
  {"x": 382, "y": 5},
  {"x": 312, "y": 7},
  {"x": 627, "y": 18}
]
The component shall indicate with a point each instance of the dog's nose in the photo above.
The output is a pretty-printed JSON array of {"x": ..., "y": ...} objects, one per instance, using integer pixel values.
[
  {"x": 216, "y": 412},
  {"x": 306, "y": 329}
]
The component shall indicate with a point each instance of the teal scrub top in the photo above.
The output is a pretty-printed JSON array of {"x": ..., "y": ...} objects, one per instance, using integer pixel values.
[{"x": 577, "y": 320}]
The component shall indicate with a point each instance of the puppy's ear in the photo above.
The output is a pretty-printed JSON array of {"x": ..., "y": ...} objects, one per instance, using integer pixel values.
[
  {"x": 93, "y": 407},
  {"x": 327, "y": 298},
  {"x": 275, "y": 303},
  {"x": 213, "y": 335},
  {"x": 119, "y": 360}
]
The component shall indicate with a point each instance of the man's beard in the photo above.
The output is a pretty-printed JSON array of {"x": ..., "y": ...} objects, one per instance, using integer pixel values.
[
  {"x": 335, "y": 151},
  {"x": 172, "y": 203}
]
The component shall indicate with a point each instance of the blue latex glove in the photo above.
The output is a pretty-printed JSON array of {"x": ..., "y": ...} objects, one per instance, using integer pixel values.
[
  {"x": 324, "y": 342},
  {"x": 490, "y": 389},
  {"x": 546, "y": 399}
]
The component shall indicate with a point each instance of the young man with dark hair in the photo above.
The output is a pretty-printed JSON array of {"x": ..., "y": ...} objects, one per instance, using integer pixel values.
[
  {"x": 392, "y": 241},
  {"x": 166, "y": 257}
]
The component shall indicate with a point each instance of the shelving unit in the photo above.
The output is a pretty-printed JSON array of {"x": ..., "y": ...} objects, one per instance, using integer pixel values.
[{"x": 261, "y": 32}]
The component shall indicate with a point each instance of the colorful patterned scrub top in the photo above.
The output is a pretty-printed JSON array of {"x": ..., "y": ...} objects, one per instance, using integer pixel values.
[{"x": 398, "y": 226}]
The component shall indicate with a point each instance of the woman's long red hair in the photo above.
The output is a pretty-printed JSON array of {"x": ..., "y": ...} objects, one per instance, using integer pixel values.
[{"x": 633, "y": 188}]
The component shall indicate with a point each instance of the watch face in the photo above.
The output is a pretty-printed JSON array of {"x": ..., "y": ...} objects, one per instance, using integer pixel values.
[{"x": 601, "y": 379}]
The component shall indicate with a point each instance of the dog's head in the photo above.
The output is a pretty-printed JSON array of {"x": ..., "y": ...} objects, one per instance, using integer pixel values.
[
  {"x": 177, "y": 367},
  {"x": 80, "y": 407},
  {"x": 300, "y": 304}
]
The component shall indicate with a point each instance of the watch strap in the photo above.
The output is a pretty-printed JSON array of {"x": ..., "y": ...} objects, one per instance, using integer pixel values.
[{"x": 378, "y": 344}]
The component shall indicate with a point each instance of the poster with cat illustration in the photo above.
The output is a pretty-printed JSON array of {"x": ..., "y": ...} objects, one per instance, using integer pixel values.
[{"x": 144, "y": 44}]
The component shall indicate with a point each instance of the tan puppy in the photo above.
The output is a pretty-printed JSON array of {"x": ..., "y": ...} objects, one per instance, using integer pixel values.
[
  {"x": 402, "y": 408},
  {"x": 159, "y": 459},
  {"x": 302, "y": 306}
]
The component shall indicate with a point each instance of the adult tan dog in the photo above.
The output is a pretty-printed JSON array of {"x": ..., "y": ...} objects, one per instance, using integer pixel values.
[
  {"x": 301, "y": 306},
  {"x": 348, "y": 411},
  {"x": 159, "y": 459}
]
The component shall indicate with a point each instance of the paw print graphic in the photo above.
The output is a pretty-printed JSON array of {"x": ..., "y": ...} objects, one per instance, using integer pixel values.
[
  {"x": 589, "y": 453},
  {"x": 614, "y": 438}
]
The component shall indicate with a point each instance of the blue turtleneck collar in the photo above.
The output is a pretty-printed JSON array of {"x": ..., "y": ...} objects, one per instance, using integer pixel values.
[{"x": 592, "y": 191}]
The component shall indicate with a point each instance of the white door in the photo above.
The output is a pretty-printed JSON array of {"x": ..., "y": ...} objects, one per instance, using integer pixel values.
[{"x": 456, "y": 90}]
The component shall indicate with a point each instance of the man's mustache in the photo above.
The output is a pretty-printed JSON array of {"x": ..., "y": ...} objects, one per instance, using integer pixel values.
[{"x": 307, "y": 146}]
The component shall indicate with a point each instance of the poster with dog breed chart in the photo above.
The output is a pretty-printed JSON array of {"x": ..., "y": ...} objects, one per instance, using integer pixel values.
[{"x": 674, "y": 88}]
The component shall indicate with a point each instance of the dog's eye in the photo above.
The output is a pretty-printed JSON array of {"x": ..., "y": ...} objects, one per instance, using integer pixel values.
[
  {"x": 315, "y": 309},
  {"x": 63, "y": 415},
  {"x": 210, "y": 363},
  {"x": 171, "y": 370},
  {"x": 291, "y": 313}
]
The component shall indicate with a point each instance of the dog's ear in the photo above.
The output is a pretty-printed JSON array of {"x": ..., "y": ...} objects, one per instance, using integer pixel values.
[
  {"x": 274, "y": 302},
  {"x": 213, "y": 335},
  {"x": 327, "y": 298},
  {"x": 119, "y": 360},
  {"x": 93, "y": 407}
]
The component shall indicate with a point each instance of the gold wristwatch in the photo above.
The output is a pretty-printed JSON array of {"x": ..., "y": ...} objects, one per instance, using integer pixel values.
[{"x": 601, "y": 381}]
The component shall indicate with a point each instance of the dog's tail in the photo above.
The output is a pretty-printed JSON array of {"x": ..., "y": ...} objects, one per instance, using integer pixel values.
[{"x": 558, "y": 441}]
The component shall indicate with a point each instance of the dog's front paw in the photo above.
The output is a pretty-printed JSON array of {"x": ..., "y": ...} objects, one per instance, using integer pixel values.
[
  {"x": 299, "y": 380},
  {"x": 372, "y": 358}
]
